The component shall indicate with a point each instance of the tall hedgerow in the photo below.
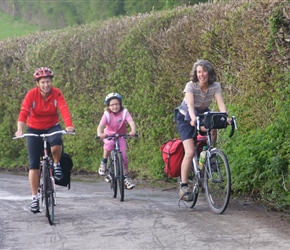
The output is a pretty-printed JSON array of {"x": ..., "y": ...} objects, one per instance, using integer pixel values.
[{"x": 147, "y": 59}]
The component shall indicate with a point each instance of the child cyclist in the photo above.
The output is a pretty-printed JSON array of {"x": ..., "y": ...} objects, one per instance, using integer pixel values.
[{"x": 113, "y": 122}]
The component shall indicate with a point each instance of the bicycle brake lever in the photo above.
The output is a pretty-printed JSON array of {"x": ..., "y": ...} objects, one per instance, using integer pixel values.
[
  {"x": 198, "y": 123},
  {"x": 234, "y": 126},
  {"x": 235, "y": 122}
]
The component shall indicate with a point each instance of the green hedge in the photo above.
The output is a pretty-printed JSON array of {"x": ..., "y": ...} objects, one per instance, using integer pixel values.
[{"x": 147, "y": 59}]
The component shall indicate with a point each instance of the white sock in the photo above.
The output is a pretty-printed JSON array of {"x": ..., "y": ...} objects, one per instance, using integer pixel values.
[{"x": 34, "y": 197}]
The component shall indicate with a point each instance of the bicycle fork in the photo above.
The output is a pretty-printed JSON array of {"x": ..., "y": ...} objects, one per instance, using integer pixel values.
[
  {"x": 117, "y": 174},
  {"x": 52, "y": 180},
  {"x": 209, "y": 170}
]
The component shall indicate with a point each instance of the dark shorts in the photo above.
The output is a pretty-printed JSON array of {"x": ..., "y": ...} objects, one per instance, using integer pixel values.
[
  {"x": 35, "y": 144},
  {"x": 185, "y": 130}
]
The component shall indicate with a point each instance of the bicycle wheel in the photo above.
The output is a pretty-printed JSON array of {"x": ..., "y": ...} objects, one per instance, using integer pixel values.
[
  {"x": 48, "y": 193},
  {"x": 217, "y": 181},
  {"x": 193, "y": 185},
  {"x": 120, "y": 175},
  {"x": 113, "y": 175},
  {"x": 40, "y": 190}
]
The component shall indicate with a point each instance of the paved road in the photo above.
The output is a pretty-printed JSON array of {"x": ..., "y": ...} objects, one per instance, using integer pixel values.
[{"x": 87, "y": 217}]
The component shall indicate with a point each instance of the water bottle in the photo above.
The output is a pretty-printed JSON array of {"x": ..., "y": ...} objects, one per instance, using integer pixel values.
[{"x": 202, "y": 158}]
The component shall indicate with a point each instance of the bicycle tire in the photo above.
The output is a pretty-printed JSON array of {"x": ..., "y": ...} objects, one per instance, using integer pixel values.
[
  {"x": 48, "y": 193},
  {"x": 40, "y": 190},
  {"x": 113, "y": 175},
  {"x": 193, "y": 184},
  {"x": 120, "y": 176},
  {"x": 217, "y": 181}
]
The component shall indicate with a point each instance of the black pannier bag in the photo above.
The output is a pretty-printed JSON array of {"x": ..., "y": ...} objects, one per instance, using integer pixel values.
[
  {"x": 66, "y": 164},
  {"x": 215, "y": 120}
]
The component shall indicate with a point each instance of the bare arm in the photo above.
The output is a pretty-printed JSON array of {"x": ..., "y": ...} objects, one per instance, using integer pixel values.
[
  {"x": 133, "y": 128},
  {"x": 220, "y": 102},
  {"x": 190, "y": 104},
  {"x": 100, "y": 131}
]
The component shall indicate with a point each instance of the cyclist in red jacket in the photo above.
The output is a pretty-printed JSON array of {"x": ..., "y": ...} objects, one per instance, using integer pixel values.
[{"x": 39, "y": 111}]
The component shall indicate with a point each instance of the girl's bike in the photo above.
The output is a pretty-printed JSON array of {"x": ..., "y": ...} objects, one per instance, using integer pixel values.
[
  {"x": 214, "y": 176},
  {"x": 115, "y": 175},
  {"x": 46, "y": 189}
]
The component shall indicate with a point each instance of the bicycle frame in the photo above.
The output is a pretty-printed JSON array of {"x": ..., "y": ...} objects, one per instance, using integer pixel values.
[
  {"x": 118, "y": 173},
  {"x": 46, "y": 189},
  {"x": 116, "y": 161},
  {"x": 49, "y": 164},
  {"x": 209, "y": 139},
  {"x": 214, "y": 177},
  {"x": 114, "y": 155}
]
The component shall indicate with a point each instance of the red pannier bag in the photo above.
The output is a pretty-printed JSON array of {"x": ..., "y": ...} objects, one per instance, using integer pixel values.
[{"x": 172, "y": 154}]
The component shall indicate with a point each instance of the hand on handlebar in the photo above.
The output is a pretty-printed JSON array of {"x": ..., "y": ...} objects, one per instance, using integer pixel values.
[
  {"x": 18, "y": 133},
  {"x": 193, "y": 123},
  {"x": 70, "y": 129},
  {"x": 102, "y": 136},
  {"x": 132, "y": 133}
]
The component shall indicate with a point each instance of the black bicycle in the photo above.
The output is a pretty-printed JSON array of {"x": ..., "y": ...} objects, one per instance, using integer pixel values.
[
  {"x": 115, "y": 175},
  {"x": 214, "y": 175},
  {"x": 46, "y": 189}
]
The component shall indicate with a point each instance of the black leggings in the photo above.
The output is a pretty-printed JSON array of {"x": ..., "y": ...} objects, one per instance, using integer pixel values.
[{"x": 35, "y": 144}]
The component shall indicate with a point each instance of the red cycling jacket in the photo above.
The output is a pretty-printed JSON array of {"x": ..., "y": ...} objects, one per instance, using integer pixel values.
[{"x": 41, "y": 114}]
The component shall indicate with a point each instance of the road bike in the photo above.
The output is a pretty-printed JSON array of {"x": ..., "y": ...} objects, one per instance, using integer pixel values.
[
  {"x": 46, "y": 189},
  {"x": 214, "y": 178},
  {"x": 115, "y": 175}
]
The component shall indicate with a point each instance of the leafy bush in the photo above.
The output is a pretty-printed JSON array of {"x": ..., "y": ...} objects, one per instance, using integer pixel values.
[{"x": 147, "y": 59}]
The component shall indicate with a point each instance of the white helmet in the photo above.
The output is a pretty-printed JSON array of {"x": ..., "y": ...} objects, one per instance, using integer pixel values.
[{"x": 111, "y": 96}]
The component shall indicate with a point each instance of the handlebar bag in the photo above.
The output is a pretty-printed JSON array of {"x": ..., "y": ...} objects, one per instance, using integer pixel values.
[{"x": 215, "y": 120}]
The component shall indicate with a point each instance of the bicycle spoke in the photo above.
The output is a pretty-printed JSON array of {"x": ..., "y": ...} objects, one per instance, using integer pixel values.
[{"x": 217, "y": 181}]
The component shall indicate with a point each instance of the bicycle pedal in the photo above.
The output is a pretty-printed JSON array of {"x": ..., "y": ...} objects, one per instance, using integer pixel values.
[{"x": 107, "y": 178}]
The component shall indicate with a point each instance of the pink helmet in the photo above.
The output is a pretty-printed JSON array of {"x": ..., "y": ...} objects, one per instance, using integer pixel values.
[{"x": 42, "y": 72}]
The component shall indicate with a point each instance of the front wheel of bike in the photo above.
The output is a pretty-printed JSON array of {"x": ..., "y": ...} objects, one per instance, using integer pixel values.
[
  {"x": 113, "y": 182},
  {"x": 217, "y": 181},
  {"x": 120, "y": 178},
  {"x": 48, "y": 193},
  {"x": 40, "y": 190}
]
